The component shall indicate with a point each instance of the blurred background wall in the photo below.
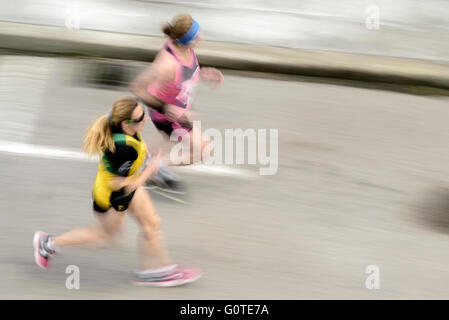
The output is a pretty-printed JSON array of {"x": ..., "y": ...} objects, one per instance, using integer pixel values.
[{"x": 407, "y": 28}]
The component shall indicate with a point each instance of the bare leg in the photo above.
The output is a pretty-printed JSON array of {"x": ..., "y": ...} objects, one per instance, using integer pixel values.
[
  {"x": 202, "y": 143},
  {"x": 110, "y": 223},
  {"x": 195, "y": 142},
  {"x": 153, "y": 252}
]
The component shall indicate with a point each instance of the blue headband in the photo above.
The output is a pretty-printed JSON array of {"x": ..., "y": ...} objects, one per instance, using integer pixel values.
[{"x": 190, "y": 34}]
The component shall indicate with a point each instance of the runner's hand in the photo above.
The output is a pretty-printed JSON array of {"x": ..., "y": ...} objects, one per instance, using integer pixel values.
[
  {"x": 153, "y": 166},
  {"x": 150, "y": 169},
  {"x": 171, "y": 112},
  {"x": 185, "y": 120},
  {"x": 213, "y": 76}
]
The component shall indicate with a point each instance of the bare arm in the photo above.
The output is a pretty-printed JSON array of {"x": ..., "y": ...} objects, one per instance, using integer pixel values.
[
  {"x": 139, "y": 87},
  {"x": 159, "y": 73},
  {"x": 131, "y": 183}
]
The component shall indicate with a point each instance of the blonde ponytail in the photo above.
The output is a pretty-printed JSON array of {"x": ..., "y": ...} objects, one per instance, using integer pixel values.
[{"x": 99, "y": 138}]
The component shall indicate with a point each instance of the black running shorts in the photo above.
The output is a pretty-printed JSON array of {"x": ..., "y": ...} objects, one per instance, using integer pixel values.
[{"x": 118, "y": 200}]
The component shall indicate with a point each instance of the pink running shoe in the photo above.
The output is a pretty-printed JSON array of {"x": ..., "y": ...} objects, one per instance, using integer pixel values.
[
  {"x": 42, "y": 255},
  {"x": 176, "y": 278}
]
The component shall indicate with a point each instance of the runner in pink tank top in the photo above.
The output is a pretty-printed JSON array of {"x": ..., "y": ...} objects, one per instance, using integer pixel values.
[
  {"x": 177, "y": 92},
  {"x": 166, "y": 87}
]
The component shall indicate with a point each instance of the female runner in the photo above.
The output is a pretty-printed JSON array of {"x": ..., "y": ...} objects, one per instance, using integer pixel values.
[
  {"x": 166, "y": 89},
  {"x": 118, "y": 187}
]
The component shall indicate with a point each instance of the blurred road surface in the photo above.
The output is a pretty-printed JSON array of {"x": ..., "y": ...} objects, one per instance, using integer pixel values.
[
  {"x": 362, "y": 181},
  {"x": 407, "y": 28}
]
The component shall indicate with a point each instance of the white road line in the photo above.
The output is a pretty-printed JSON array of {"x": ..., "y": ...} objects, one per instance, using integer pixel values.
[
  {"x": 46, "y": 152},
  {"x": 216, "y": 170},
  {"x": 167, "y": 196},
  {"x": 49, "y": 152}
]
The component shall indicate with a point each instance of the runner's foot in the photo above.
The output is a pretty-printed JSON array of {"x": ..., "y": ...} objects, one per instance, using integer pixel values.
[
  {"x": 167, "y": 181},
  {"x": 177, "y": 277},
  {"x": 42, "y": 253}
]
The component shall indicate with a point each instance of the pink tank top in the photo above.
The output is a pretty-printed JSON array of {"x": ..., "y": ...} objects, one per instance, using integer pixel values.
[{"x": 179, "y": 91}]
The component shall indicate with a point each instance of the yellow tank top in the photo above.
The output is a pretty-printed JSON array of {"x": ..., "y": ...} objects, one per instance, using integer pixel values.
[{"x": 106, "y": 170}]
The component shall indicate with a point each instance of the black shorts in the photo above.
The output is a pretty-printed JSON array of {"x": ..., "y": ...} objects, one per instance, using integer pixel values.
[
  {"x": 168, "y": 127},
  {"x": 118, "y": 200}
]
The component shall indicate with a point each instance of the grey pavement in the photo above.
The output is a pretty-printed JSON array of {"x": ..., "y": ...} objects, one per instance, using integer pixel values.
[{"x": 362, "y": 180}]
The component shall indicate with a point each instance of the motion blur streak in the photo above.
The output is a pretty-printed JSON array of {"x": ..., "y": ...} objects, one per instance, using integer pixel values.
[{"x": 358, "y": 208}]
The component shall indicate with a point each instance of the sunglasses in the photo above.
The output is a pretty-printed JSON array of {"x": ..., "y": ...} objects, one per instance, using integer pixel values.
[{"x": 138, "y": 119}]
